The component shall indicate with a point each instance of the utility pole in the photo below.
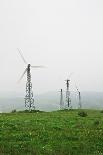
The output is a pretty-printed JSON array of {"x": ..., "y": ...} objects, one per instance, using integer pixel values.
[
  {"x": 68, "y": 99},
  {"x": 61, "y": 100}
]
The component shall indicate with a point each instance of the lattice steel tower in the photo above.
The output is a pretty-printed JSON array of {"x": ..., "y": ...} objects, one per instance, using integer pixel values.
[
  {"x": 68, "y": 99},
  {"x": 29, "y": 100}
]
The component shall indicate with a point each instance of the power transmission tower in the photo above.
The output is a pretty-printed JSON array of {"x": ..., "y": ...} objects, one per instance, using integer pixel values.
[
  {"x": 68, "y": 99},
  {"x": 61, "y": 100}
]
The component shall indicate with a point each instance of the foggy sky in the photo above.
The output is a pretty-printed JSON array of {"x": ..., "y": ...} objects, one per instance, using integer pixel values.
[{"x": 64, "y": 35}]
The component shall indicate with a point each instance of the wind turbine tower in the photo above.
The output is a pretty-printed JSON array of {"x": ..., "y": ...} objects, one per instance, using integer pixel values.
[
  {"x": 61, "y": 100},
  {"x": 29, "y": 99},
  {"x": 68, "y": 99},
  {"x": 79, "y": 97}
]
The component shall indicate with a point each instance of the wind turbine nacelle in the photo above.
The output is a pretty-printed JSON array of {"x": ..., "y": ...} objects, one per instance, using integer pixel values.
[{"x": 29, "y": 65}]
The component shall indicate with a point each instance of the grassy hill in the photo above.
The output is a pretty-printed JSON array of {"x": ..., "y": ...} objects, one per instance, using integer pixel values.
[{"x": 51, "y": 133}]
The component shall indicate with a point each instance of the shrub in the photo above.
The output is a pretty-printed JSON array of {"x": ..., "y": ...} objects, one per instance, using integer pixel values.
[
  {"x": 97, "y": 122},
  {"x": 82, "y": 113},
  {"x": 13, "y": 111}
]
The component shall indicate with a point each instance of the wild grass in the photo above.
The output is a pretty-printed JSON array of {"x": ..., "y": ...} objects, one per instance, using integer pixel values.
[{"x": 51, "y": 133}]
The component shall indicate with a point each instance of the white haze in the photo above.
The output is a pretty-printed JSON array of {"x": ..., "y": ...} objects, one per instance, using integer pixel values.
[{"x": 64, "y": 35}]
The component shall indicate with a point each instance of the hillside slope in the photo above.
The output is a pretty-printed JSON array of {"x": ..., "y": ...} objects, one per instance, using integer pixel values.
[{"x": 51, "y": 133}]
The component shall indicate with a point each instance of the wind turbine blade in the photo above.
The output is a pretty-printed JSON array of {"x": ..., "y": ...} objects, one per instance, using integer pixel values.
[
  {"x": 22, "y": 56},
  {"x": 22, "y": 75},
  {"x": 38, "y": 66}
]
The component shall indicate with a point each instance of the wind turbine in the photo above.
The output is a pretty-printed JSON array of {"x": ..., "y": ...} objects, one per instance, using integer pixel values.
[
  {"x": 68, "y": 99},
  {"x": 29, "y": 100},
  {"x": 79, "y": 96},
  {"x": 61, "y": 99}
]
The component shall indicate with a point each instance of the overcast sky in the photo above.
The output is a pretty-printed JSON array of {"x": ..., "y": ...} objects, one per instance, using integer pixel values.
[{"x": 64, "y": 35}]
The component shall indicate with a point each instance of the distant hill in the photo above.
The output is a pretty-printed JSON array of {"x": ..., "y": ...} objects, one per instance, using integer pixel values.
[{"x": 50, "y": 101}]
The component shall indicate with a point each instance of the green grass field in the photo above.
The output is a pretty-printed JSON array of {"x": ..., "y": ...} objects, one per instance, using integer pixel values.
[{"x": 52, "y": 133}]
